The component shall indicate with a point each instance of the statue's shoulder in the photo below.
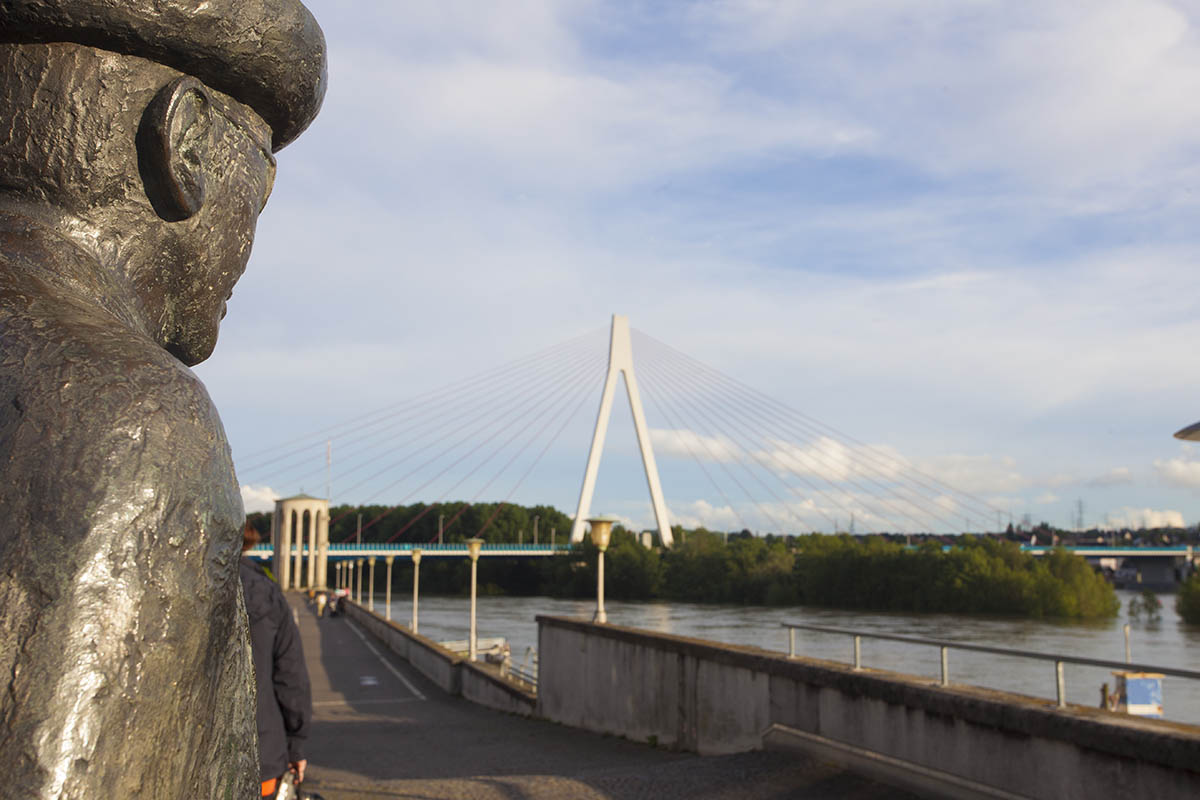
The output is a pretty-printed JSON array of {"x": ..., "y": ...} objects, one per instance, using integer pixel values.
[
  {"x": 63, "y": 354},
  {"x": 81, "y": 391}
]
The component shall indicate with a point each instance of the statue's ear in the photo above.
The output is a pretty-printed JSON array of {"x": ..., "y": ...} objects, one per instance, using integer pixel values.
[{"x": 173, "y": 143}]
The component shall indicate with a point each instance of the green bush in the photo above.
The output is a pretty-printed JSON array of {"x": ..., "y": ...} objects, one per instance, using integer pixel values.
[
  {"x": 1187, "y": 601},
  {"x": 981, "y": 576}
]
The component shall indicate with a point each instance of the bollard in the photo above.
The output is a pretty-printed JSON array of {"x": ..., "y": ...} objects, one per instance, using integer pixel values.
[
  {"x": 1061, "y": 681},
  {"x": 857, "y": 653},
  {"x": 945, "y": 668}
]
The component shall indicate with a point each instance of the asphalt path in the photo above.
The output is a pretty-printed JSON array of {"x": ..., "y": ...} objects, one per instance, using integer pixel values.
[{"x": 381, "y": 730}]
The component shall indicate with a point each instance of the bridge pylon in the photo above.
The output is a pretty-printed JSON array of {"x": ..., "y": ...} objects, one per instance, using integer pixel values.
[{"x": 620, "y": 362}]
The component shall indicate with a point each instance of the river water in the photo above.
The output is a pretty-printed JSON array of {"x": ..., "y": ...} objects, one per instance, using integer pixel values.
[{"x": 1167, "y": 642}]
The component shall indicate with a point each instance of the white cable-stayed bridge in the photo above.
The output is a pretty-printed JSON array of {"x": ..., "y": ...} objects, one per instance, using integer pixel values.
[{"x": 760, "y": 463}]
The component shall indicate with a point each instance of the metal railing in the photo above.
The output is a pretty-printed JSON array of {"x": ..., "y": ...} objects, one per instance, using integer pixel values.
[
  {"x": 526, "y": 673},
  {"x": 946, "y": 646}
]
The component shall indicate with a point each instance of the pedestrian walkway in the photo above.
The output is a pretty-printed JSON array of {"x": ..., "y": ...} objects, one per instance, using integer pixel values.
[{"x": 382, "y": 731}]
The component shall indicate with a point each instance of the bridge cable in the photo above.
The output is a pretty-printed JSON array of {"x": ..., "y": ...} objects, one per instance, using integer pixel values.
[
  {"x": 430, "y": 397},
  {"x": 986, "y": 510},
  {"x": 652, "y": 382},
  {"x": 661, "y": 409},
  {"x": 586, "y": 367},
  {"x": 477, "y": 399},
  {"x": 576, "y": 381},
  {"x": 491, "y": 410},
  {"x": 770, "y": 447},
  {"x": 899, "y": 492}
]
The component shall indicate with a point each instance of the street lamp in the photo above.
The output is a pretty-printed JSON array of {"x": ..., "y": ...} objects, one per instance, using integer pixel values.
[
  {"x": 473, "y": 547},
  {"x": 416, "y": 557},
  {"x": 601, "y": 532}
]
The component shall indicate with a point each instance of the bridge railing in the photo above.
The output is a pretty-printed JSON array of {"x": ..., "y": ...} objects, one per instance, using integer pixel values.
[
  {"x": 945, "y": 646},
  {"x": 407, "y": 547},
  {"x": 455, "y": 547}
]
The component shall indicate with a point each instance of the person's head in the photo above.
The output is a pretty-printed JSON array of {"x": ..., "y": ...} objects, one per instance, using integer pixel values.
[
  {"x": 250, "y": 537},
  {"x": 146, "y": 130}
]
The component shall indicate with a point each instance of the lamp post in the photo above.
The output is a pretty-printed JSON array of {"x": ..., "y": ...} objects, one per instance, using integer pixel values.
[
  {"x": 416, "y": 557},
  {"x": 473, "y": 547},
  {"x": 387, "y": 592},
  {"x": 371, "y": 586},
  {"x": 601, "y": 532}
]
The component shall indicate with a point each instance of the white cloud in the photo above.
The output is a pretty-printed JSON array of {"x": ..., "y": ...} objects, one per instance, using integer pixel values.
[
  {"x": 701, "y": 513},
  {"x": 1142, "y": 518},
  {"x": 1117, "y": 476},
  {"x": 1058, "y": 481},
  {"x": 259, "y": 498},
  {"x": 689, "y": 444},
  {"x": 977, "y": 473},
  {"x": 1046, "y": 499},
  {"x": 831, "y": 460},
  {"x": 1182, "y": 471},
  {"x": 1060, "y": 94}
]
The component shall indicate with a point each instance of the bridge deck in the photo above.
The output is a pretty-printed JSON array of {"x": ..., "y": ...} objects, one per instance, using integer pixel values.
[{"x": 381, "y": 730}]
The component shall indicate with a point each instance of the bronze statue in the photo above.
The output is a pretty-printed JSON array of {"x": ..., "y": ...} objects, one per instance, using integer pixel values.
[{"x": 136, "y": 141}]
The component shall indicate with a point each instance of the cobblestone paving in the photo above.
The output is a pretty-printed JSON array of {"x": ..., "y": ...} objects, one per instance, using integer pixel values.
[{"x": 382, "y": 731}]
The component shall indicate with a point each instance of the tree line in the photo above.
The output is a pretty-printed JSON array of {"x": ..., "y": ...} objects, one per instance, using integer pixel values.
[{"x": 981, "y": 575}]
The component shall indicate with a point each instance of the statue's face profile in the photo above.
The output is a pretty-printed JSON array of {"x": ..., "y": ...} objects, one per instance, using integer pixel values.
[{"x": 211, "y": 247}]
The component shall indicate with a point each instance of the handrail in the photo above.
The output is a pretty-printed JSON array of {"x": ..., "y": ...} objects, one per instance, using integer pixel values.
[{"x": 946, "y": 645}]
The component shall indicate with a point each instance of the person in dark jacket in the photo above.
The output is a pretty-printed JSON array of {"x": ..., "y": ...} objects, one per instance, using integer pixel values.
[{"x": 284, "y": 695}]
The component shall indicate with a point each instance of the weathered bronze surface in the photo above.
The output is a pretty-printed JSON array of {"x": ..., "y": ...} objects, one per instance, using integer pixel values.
[{"x": 136, "y": 141}]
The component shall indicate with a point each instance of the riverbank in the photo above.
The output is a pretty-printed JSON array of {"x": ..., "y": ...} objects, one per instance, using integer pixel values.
[{"x": 981, "y": 575}]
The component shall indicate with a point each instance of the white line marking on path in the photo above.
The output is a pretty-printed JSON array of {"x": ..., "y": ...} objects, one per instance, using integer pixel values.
[
  {"x": 386, "y": 663},
  {"x": 366, "y": 702}
]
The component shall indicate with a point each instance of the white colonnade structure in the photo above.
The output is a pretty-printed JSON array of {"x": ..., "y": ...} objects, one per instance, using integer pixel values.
[
  {"x": 620, "y": 362},
  {"x": 295, "y": 517}
]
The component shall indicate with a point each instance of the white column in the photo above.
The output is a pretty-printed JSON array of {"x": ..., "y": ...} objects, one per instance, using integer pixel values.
[
  {"x": 311, "y": 576},
  {"x": 387, "y": 591},
  {"x": 323, "y": 549},
  {"x": 601, "y": 614},
  {"x": 283, "y": 546},
  {"x": 371, "y": 587},
  {"x": 297, "y": 562},
  {"x": 474, "y": 545},
  {"x": 416, "y": 557}
]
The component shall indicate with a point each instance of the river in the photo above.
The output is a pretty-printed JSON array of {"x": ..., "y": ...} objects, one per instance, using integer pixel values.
[{"x": 1167, "y": 642}]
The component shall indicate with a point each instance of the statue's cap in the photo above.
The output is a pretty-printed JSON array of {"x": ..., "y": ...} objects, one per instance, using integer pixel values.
[{"x": 268, "y": 54}]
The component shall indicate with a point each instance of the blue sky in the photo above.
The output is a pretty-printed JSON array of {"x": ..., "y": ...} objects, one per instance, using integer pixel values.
[{"x": 963, "y": 231}]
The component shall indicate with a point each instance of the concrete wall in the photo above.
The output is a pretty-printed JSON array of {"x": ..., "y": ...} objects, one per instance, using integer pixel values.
[
  {"x": 454, "y": 674},
  {"x": 696, "y": 695}
]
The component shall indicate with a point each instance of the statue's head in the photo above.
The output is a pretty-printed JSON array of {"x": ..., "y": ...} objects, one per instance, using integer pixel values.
[{"x": 144, "y": 130}]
